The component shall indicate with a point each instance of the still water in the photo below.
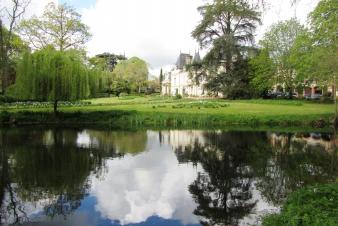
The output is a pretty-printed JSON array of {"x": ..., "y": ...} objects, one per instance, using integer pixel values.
[{"x": 102, "y": 178}]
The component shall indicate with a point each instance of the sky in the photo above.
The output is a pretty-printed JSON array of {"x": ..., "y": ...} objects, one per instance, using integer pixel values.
[{"x": 156, "y": 30}]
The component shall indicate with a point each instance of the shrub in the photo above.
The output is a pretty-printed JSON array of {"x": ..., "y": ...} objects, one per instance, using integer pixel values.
[
  {"x": 5, "y": 116},
  {"x": 202, "y": 104},
  {"x": 7, "y": 99},
  {"x": 178, "y": 96},
  {"x": 316, "y": 205}
]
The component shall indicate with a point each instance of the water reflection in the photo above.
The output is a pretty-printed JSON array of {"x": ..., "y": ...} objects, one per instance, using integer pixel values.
[{"x": 92, "y": 177}]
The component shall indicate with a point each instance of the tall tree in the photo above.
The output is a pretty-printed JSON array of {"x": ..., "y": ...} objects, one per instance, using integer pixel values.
[
  {"x": 324, "y": 26},
  {"x": 262, "y": 70},
  {"x": 278, "y": 41},
  {"x": 60, "y": 26},
  {"x": 227, "y": 29},
  {"x": 50, "y": 75},
  {"x": 13, "y": 12},
  {"x": 315, "y": 53},
  {"x": 106, "y": 61},
  {"x": 161, "y": 80}
]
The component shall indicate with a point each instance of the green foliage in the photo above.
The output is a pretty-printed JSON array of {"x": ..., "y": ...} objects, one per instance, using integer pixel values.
[
  {"x": 11, "y": 47},
  {"x": 324, "y": 22},
  {"x": 178, "y": 96},
  {"x": 233, "y": 84},
  {"x": 274, "y": 102},
  {"x": 154, "y": 86},
  {"x": 301, "y": 58},
  {"x": 50, "y": 75},
  {"x": 201, "y": 104},
  {"x": 324, "y": 29},
  {"x": 6, "y": 99},
  {"x": 134, "y": 71},
  {"x": 161, "y": 78},
  {"x": 245, "y": 112},
  {"x": 34, "y": 104},
  {"x": 106, "y": 61},
  {"x": 60, "y": 26},
  {"x": 227, "y": 29},
  {"x": 120, "y": 86},
  {"x": 237, "y": 81},
  {"x": 279, "y": 41},
  {"x": 315, "y": 52},
  {"x": 317, "y": 205},
  {"x": 15, "y": 44},
  {"x": 262, "y": 71}
]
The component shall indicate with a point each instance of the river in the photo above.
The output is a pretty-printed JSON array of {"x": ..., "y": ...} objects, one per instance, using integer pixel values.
[{"x": 90, "y": 177}]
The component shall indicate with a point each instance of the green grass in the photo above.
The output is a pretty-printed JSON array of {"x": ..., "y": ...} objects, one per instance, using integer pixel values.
[
  {"x": 312, "y": 206},
  {"x": 157, "y": 110}
]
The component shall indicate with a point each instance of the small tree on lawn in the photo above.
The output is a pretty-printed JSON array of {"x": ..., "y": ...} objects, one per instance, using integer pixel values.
[{"x": 50, "y": 75}]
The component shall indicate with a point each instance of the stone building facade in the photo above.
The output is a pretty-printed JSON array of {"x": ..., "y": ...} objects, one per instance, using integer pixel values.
[{"x": 178, "y": 79}]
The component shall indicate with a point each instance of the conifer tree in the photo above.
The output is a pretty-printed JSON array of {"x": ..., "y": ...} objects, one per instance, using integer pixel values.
[
  {"x": 227, "y": 31},
  {"x": 161, "y": 79}
]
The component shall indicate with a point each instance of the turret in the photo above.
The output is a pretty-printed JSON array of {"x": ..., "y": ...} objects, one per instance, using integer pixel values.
[{"x": 197, "y": 58}]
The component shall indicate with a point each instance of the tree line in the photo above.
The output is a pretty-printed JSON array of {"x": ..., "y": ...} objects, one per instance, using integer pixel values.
[
  {"x": 290, "y": 54},
  {"x": 40, "y": 56},
  {"x": 44, "y": 59}
]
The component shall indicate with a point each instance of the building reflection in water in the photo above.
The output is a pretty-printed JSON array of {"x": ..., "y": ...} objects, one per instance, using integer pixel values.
[
  {"x": 238, "y": 164},
  {"x": 195, "y": 176}
]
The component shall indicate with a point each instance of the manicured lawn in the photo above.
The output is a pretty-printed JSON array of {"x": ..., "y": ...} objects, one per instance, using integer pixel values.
[
  {"x": 161, "y": 110},
  {"x": 153, "y": 104},
  {"x": 248, "y": 107}
]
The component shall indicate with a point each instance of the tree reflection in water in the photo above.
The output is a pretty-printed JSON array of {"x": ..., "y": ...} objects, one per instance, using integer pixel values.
[
  {"x": 235, "y": 162},
  {"x": 294, "y": 161},
  {"x": 47, "y": 168}
]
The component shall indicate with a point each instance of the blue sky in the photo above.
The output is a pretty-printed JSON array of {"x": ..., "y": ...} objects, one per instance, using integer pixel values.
[{"x": 79, "y": 4}]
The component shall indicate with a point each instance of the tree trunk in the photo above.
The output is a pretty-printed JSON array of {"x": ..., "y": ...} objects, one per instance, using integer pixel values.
[
  {"x": 2, "y": 56},
  {"x": 55, "y": 107},
  {"x": 4, "y": 45},
  {"x": 334, "y": 94}
]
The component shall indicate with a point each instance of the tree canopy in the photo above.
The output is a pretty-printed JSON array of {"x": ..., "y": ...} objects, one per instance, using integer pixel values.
[
  {"x": 106, "y": 61},
  {"x": 262, "y": 71},
  {"x": 51, "y": 75},
  {"x": 60, "y": 26},
  {"x": 227, "y": 29},
  {"x": 133, "y": 70},
  {"x": 279, "y": 41},
  {"x": 10, "y": 43}
]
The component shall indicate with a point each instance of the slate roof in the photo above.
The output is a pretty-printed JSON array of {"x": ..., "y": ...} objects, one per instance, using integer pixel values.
[
  {"x": 197, "y": 58},
  {"x": 183, "y": 60}
]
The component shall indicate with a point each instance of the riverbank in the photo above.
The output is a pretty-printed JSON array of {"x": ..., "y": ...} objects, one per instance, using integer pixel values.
[
  {"x": 315, "y": 205},
  {"x": 167, "y": 112}
]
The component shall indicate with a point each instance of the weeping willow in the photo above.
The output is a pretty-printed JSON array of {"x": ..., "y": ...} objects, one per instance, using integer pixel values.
[{"x": 50, "y": 75}]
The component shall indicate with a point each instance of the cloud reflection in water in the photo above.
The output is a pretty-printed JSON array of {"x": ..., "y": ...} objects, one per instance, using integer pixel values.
[{"x": 151, "y": 183}]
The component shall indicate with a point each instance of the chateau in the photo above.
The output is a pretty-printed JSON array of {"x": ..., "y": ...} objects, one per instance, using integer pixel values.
[{"x": 178, "y": 80}]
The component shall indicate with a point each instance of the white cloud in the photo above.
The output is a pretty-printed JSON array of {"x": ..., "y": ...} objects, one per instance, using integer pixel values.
[
  {"x": 156, "y": 30},
  {"x": 153, "y": 30},
  {"x": 282, "y": 10},
  {"x": 151, "y": 183}
]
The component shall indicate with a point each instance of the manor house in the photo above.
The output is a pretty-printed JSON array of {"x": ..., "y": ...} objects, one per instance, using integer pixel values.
[{"x": 179, "y": 81}]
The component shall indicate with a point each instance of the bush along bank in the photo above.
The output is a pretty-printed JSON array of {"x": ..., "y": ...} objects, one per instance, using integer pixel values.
[
  {"x": 131, "y": 118},
  {"x": 312, "y": 206}
]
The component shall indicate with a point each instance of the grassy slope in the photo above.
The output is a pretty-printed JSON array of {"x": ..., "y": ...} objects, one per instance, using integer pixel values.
[{"x": 154, "y": 110}]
